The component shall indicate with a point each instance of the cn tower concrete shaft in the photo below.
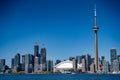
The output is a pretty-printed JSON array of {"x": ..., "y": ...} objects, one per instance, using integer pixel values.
[{"x": 95, "y": 28}]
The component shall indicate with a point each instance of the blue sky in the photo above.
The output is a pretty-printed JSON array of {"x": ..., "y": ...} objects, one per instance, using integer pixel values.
[{"x": 64, "y": 26}]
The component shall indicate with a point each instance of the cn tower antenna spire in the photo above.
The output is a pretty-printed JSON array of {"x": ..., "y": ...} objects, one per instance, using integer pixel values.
[
  {"x": 95, "y": 10},
  {"x": 95, "y": 16}
]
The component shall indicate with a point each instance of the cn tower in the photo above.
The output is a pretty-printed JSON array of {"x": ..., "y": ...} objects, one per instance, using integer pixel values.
[{"x": 95, "y": 28}]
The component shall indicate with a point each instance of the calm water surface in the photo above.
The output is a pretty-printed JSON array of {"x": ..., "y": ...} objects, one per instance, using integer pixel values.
[{"x": 60, "y": 77}]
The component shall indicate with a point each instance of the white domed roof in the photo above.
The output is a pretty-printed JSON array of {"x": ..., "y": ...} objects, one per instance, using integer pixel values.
[{"x": 65, "y": 64}]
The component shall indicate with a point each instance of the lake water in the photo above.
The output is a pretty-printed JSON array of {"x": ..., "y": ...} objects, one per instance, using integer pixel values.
[{"x": 60, "y": 77}]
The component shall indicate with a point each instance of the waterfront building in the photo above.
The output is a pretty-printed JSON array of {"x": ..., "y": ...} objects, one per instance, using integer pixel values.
[
  {"x": 43, "y": 59},
  {"x": 23, "y": 63},
  {"x": 88, "y": 62},
  {"x": 50, "y": 65},
  {"x": 105, "y": 67},
  {"x": 29, "y": 63},
  {"x": 83, "y": 56},
  {"x": 113, "y": 56},
  {"x": 12, "y": 63},
  {"x": 78, "y": 59},
  {"x": 118, "y": 58},
  {"x": 36, "y": 64},
  {"x": 74, "y": 65},
  {"x": 2, "y": 65},
  {"x": 115, "y": 66},
  {"x": 92, "y": 67},
  {"x": 102, "y": 59},
  {"x": 83, "y": 65},
  {"x": 17, "y": 65},
  {"x": 17, "y": 59},
  {"x": 66, "y": 67}
]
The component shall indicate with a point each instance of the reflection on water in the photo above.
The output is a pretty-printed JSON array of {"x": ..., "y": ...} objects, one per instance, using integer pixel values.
[{"x": 60, "y": 77}]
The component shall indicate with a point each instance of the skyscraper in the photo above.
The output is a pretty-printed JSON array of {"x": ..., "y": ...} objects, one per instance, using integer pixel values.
[
  {"x": 28, "y": 63},
  {"x": 102, "y": 59},
  {"x": 82, "y": 57},
  {"x": 23, "y": 63},
  {"x": 43, "y": 58},
  {"x": 113, "y": 56},
  {"x": 105, "y": 66},
  {"x": 92, "y": 68},
  {"x": 115, "y": 66},
  {"x": 95, "y": 28},
  {"x": 83, "y": 65},
  {"x": 36, "y": 64},
  {"x": 12, "y": 63},
  {"x": 49, "y": 65},
  {"x": 36, "y": 50},
  {"x": 43, "y": 55},
  {"x": 17, "y": 59},
  {"x": 74, "y": 65},
  {"x": 17, "y": 65},
  {"x": 78, "y": 59},
  {"x": 88, "y": 62},
  {"x": 2, "y": 64},
  {"x": 118, "y": 58}
]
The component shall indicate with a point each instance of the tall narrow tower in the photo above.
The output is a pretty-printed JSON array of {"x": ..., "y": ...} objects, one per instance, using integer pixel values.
[
  {"x": 95, "y": 28},
  {"x": 36, "y": 50}
]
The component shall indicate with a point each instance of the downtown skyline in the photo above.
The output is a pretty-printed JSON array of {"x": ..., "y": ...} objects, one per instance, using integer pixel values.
[{"x": 65, "y": 27}]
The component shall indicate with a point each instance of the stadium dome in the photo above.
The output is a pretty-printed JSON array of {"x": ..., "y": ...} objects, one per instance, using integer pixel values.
[{"x": 65, "y": 67}]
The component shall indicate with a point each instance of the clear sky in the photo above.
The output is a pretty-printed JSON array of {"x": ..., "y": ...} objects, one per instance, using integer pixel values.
[{"x": 64, "y": 26}]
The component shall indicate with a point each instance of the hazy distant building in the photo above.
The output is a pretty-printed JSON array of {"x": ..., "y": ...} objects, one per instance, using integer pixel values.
[
  {"x": 12, "y": 63},
  {"x": 57, "y": 62},
  {"x": 102, "y": 59},
  {"x": 83, "y": 65},
  {"x": 83, "y": 56},
  {"x": 71, "y": 58},
  {"x": 78, "y": 59}
]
